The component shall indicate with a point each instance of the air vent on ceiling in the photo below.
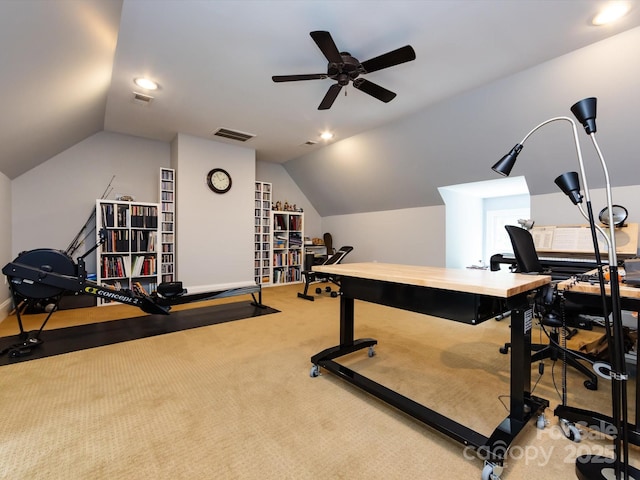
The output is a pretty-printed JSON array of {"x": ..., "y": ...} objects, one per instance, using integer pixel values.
[
  {"x": 142, "y": 98},
  {"x": 233, "y": 134}
]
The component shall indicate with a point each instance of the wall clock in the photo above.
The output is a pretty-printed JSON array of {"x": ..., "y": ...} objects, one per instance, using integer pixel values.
[{"x": 219, "y": 180}]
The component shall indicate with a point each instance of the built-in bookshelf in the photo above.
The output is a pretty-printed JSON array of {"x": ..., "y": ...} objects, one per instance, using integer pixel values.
[
  {"x": 287, "y": 246},
  {"x": 167, "y": 224},
  {"x": 128, "y": 258},
  {"x": 262, "y": 233}
]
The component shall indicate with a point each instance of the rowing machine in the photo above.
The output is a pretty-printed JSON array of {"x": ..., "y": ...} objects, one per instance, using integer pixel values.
[{"x": 44, "y": 275}]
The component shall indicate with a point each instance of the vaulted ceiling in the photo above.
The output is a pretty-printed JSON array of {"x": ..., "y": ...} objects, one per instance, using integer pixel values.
[{"x": 68, "y": 65}]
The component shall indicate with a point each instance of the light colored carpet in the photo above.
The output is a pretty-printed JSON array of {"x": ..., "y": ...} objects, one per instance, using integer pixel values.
[{"x": 235, "y": 401}]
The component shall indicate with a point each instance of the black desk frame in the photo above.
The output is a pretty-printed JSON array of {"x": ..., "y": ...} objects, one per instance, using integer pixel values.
[{"x": 459, "y": 306}]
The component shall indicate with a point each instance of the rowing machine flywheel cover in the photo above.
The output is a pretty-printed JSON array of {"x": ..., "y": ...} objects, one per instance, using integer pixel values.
[{"x": 47, "y": 260}]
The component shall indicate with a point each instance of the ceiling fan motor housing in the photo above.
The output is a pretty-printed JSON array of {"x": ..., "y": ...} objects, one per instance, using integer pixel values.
[{"x": 349, "y": 69}]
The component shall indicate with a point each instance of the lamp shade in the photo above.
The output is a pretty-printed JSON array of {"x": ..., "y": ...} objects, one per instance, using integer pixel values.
[
  {"x": 506, "y": 163},
  {"x": 570, "y": 185},
  {"x": 585, "y": 112}
]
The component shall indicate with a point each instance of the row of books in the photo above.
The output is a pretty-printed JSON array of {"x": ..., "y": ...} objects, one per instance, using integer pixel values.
[
  {"x": 112, "y": 267},
  {"x": 143, "y": 241},
  {"x": 115, "y": 266},
  {"x": 280, "y": 222},
  {"x": 286, "y": 275},
  {"x": 144, "y": 216},
  {"x": 119, "y": 215},
  {"x": 114, "y": 215},
  {"x": 119, "y": 241},
  {"x": 143, "y": 265},
  {"x": 295, "y": 222},
  {"x": 293, "y": 257},
  {"x": 116, "y": 241}
]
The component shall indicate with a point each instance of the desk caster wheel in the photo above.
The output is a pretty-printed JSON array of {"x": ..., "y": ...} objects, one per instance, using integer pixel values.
[
  {"x": 504, "y": 350},
  {"x": 491, "y": 471},
  {"x": 570, "y": 430},
  {"x": 327, "y": 289},
  {"x": 334, "y": 294},
  {"x": 371, "y": 352},
  {"x": 318, "y": 290},
  {"x": 315, "y": 371},
  {"x": 541, "y": 423}
]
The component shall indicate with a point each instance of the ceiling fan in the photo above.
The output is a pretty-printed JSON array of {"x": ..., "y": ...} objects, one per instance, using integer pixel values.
[{"x": 343, "y": 68}]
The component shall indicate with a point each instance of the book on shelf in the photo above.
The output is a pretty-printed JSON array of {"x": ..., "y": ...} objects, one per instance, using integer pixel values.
[{"x": 112, "y": 267}]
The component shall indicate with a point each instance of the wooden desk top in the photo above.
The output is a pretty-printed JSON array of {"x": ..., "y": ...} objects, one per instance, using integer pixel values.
[{"x": 497, "y": 284}]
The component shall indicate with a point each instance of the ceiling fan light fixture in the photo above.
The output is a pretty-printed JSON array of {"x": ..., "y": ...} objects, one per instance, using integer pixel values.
[{"x": 145, "y": 83}]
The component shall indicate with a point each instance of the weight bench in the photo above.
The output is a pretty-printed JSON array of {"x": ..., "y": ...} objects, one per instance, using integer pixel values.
[{"x": 311, "y": 276}]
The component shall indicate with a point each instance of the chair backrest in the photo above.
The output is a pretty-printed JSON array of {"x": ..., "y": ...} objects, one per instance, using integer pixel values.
[
  {"x": 524, "y": 250},
  {"x": 338, "y": 256},
  {"x": 328, "y": 242}
]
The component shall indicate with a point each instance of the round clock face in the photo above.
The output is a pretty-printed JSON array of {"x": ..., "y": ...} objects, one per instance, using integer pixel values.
[{"x": 219, "y": 180}]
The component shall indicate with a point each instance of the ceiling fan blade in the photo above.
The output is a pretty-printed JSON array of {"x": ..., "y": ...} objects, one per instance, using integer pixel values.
[
  {"x": 327, "y": 46},
  {"x": 295, "y": 78},
  {"x": 389, "y": 59},
  {"x": 330, "y": 96},
  {"x": 374, "y": 90}
]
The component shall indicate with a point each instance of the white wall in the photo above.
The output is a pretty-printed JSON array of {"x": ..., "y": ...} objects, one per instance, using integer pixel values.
[
  {"x": 414, "y": 236},
  {"x": 460, "y": 250},
  {"x": 214, "y": 232},
  {"x": 51, "y": 202},
  {"x": 5, "y": 241},
  {"x": 285, "y": 189}
]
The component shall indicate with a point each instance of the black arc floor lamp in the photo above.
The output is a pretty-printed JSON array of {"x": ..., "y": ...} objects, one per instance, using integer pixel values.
[{"x": 590, "y": 467}]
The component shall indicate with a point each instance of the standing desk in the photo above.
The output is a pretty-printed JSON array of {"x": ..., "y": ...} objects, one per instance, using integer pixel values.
[
  {"x": 464, "y": 295},
  {"x": 588, "y": 294}
]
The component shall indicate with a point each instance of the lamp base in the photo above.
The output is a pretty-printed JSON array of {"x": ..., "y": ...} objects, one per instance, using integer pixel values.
[{"x": 597, "y": 467}]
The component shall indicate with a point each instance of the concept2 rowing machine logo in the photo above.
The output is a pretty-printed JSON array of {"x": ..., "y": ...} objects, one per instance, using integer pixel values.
[{"x": 118, "y": 297}]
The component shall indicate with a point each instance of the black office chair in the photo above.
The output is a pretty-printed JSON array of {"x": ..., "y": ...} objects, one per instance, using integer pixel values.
[
  {"x": 311, "y": 276},
  {"x": 549, "y": 303}
]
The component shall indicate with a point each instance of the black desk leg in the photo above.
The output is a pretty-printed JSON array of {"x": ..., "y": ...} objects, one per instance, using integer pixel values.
[
  {"x": 521, "y": 322},
  {"x": 347, "y": 343},
  {"x": 346, "y": 320}
]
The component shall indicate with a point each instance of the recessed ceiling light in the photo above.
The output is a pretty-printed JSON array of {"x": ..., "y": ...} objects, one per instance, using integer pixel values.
[
  {"x": 611, "y": 12},
  {"x": 145, "y": 83},
  {"x": 326, "y": 135}
]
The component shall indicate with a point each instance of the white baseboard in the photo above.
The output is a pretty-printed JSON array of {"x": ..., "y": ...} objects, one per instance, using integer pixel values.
[{"x": 5, "y": 308}]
